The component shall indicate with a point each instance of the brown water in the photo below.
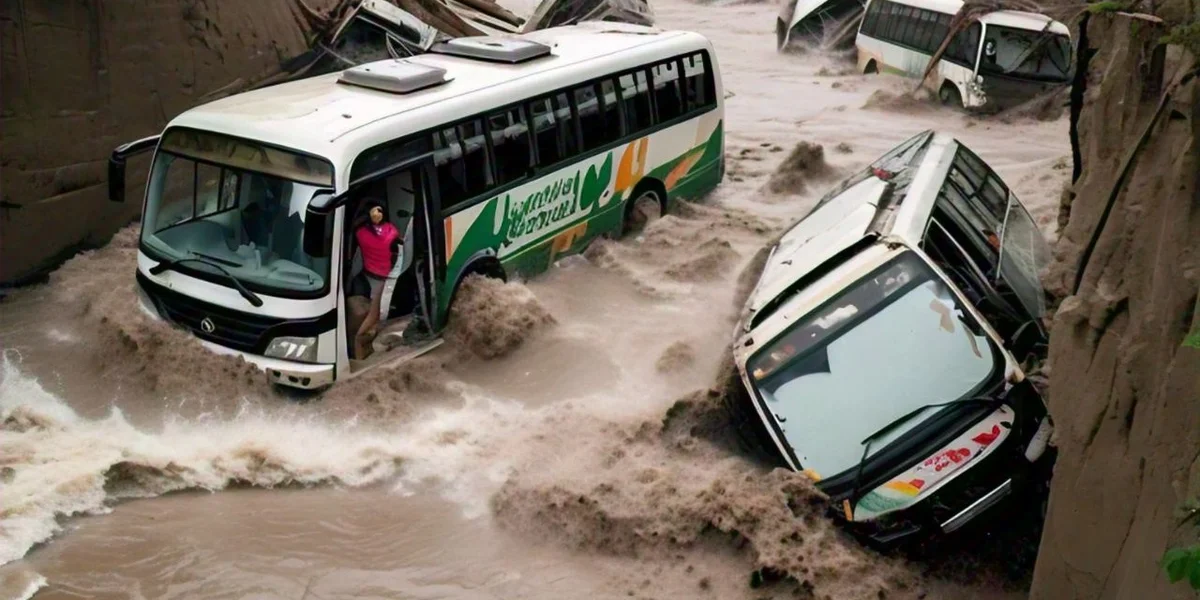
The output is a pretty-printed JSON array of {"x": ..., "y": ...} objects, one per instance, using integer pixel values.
[{"x": 545, "y": 472}]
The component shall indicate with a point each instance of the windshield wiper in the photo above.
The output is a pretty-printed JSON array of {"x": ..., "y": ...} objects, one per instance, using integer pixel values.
[
  {"x": 228, "y": 263},
  {"x": 902, "y": 419},
  {"x": 250, "y": 296}
]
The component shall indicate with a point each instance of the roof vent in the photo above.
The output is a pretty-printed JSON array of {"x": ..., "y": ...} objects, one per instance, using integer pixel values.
[
  {"x": 510, "y": 50},
  {"x": 398, "y": 76}
]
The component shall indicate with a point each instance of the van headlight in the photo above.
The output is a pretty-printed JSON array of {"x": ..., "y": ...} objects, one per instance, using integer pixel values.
[{"x": 302, "y": 349}]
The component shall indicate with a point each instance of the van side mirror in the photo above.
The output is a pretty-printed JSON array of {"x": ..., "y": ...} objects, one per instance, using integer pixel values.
[
  {"x": 116, "y": 165},
  {"x": 318, "y": 224}
]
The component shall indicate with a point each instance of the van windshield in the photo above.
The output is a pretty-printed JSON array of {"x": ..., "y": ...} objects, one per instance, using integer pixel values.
[
  {"x": 1025, "y": 53},
  {"x": 235, "y": 204},
  {"x": 893, "y": 341}
]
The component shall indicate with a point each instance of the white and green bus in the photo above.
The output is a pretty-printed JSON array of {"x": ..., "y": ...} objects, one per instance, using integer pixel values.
[
  {"x": 496, "y": 155},
  {"x": 1004, "y": 58}
]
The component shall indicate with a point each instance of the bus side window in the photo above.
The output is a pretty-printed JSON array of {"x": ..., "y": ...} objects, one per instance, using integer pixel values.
[
  {"x": 554, "y": 129},
  {"x": 965, "y": 45},
  {"x": 591, "y": 122},
  {"x": 667, "y": 97},
  {"x": 476, "y": 157},
  {"x": 451, "y": 170},
  {"x": 925, "y": 31},
  {"x": 635, "y": 99},
  {"x": 611, "y": 106},
  {"x": 510, "y": 145},
  {"x": 696, "y": 79},
  {"x": 891, "y": 24},
  {"x": 941, "y": 27}
]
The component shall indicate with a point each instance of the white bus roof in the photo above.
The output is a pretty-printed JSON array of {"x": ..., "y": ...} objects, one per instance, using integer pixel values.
[
  {"x": 337, "y": 121},
  {"x": 1006, "y": 18}
]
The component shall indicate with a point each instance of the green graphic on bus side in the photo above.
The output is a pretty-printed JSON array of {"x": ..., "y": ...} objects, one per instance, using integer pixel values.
[{"x": 522, "y": 232}]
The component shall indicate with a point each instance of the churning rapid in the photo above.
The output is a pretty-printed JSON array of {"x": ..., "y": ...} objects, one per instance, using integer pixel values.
[{"x": 564, "y": 442}]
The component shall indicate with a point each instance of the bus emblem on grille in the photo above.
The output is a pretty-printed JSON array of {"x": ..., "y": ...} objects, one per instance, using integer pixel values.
[{"x": 207, "y": 325}]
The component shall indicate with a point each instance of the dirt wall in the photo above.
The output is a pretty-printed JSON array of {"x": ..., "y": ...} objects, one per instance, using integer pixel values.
[
  {"x": 1124, "y": 387},
  {"x": 79, "y": 77}
]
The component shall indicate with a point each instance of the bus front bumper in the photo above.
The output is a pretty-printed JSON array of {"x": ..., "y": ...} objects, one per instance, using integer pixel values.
[{"x": 306, "y": 376}]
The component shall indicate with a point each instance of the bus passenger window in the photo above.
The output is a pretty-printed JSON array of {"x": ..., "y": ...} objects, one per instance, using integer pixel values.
[
  {"x": 696, "y": 80},
  {"x": 554, "y": 129},
  {"x": 510, "y": 143},
  {"x": 667, "y": 98},
  {"x": 599, "y": 125},
  {"x": 475, "y": 156},
  {"x": 612, "y": 112},
  {"x": 451, "y": 171},
  {"x": 635, "y": 96}
]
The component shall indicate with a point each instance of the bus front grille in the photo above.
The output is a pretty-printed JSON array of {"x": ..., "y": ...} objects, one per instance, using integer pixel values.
[{"x": 230, "y": 328}]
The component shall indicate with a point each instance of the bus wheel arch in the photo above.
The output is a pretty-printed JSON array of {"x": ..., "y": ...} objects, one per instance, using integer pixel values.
[
  {"x": 484, "y": 263},
  {"x": 872, "y": 68},
  {"x": 639, "y": 210},
  {"x": 949, "y": 95}
]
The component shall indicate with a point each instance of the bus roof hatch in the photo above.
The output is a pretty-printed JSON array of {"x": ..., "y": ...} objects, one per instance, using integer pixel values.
[
  {"x": 399, "y": 76},
  {"x": 510, "y": 50}
]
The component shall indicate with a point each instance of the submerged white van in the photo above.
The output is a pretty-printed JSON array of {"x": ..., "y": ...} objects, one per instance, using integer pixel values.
[
  {"x": 1002, "y": 59},
  {"x": 881, "y": 351}
]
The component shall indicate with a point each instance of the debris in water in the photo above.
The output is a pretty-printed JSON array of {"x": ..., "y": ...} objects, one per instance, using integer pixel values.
[
  {"x": 711, "y": 260},
  {"x": 806, "y": 162},
  {"x": 676, "y": 357},
  {"x": 491, "y": 318}
]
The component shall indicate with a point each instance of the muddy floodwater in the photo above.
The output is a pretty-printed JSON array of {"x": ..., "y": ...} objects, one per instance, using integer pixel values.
[{"x": 136, "y": 465}]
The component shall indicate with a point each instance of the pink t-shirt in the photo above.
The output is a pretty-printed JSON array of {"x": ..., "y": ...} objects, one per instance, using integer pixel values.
[{"x": 376, "y": 243}]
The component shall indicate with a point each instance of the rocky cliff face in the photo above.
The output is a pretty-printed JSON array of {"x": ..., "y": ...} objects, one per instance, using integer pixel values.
[
  {"x": 1124, "y": 386},
  {"x": 80, "y": 77}
]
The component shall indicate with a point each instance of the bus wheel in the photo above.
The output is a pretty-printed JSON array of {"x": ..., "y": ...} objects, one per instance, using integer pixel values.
[
  {"x": 871, "y": 68},
  {"x": 949, "y": 95},
  {"x": 645, "y": 207}
]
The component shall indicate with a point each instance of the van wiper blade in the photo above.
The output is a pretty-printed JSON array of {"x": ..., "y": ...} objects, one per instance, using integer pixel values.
[
  {"x": 250, "y": 296},
  {"x": 902, "y": 419}
]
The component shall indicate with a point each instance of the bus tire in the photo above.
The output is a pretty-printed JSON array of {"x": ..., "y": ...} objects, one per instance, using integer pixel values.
[
  {"x": 948, "y": 95},
  {"x": 871, "y": 68},
  {"x": 647, "y": 203}
]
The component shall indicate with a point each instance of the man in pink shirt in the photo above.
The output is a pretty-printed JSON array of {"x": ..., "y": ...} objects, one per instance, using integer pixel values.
[{"x": 379, "y": 241}]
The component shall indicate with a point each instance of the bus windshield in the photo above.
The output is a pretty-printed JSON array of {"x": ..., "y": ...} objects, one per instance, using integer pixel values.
[
  {"x": 1025, "y": 53},
  {"x": 234, "y": 205}
]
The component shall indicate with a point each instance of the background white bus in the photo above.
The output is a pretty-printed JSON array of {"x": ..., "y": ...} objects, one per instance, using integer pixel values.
[
  {"x": 497, "y": 156},
  {"x": 1004, "y": 58}
]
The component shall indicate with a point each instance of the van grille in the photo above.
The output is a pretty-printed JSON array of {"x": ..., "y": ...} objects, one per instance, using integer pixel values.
[{"x": 230, "y": 328}]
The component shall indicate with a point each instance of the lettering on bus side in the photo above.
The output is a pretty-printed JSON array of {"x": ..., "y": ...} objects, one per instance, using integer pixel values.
[{"x": 557, "y": 202}]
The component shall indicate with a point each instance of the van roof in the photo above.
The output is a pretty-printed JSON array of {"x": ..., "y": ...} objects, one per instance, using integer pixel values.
[
  {"x": 845, "y": 219},
  {"x": 320, "y": 116}
]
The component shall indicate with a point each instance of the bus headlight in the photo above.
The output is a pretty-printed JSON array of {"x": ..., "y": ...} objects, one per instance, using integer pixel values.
[{"x": 303, "y": 349}]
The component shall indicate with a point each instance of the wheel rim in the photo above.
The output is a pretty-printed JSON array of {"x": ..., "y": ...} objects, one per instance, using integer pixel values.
[{"x": 646, "y": 208}]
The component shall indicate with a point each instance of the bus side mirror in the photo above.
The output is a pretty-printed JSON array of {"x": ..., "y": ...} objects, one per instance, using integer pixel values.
[
  {"x": 318, "y": 224},
  {"x": 116, "y": 165},
  {"x": 116, "y": 178}
]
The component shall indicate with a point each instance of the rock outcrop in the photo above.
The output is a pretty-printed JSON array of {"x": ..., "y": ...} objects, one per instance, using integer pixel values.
[
  {"x": 80, "y": 77},
  {"x": 1124, "y": 385}
]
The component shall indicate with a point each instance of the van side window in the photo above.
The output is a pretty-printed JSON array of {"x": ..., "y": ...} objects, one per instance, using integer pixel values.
[
  {"x": 964, "y": 47},
  {"x": 872, "y": 18},
  {"x": 635, "y": 100},
  {"x": 511, "y": 145},
  {"x": 668, "y": 98},
  {"x": 476, "y": 157},
  {"x": 698, "y": 82}
]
